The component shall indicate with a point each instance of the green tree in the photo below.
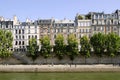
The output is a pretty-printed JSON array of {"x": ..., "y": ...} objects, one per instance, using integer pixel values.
[
  {"x": 88, "y": 16},
  {"x": 72, "y": 47},
  {"x": 6, "y": 40},
  {"x": 112, "y": 44},
  {"x": 85, "y": 46},
  {"x": 98, "y": 43},
  {"x": 32, "y": 48},
  {"x": 59, "y": 48},
  {"x": 80, "y": 17},
  {"x": 45, "y": 46}
]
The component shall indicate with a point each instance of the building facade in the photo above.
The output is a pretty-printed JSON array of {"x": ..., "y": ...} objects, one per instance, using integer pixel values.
[
  {"x": 105, "y": 23},
  {"x": 83, "y": 25}
]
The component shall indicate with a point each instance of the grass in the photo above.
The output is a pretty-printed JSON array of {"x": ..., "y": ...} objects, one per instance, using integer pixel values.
[{"x": 61, "y": 76}]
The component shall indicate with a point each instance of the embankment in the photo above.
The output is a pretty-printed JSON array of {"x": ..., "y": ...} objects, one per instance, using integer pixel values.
[{"x": 59, "y": 68}]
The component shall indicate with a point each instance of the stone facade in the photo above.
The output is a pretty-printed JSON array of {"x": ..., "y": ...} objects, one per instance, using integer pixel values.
[{"x": 87, "y": 24}]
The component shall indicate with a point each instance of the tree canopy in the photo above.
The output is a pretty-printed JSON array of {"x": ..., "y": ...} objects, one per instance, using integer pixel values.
[
  {"x": 112, "y": 44},
  {"x": 32, "y": 48},
  {"x": 6, "y": 40},
  {"x": 72, "y": 47},
  {"x": 59, "y": 48},
  {"x": 98, "y": 43},
  {"x": 80, "y": 17},
  {"x": 85, "y": 46},
  {"x": 45, "y": 46}
]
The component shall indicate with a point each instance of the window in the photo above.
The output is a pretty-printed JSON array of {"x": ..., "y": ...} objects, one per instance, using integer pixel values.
[
  {"x": 16, "y": 31},
  {"x": 79, "y": 36},
  {"x": 80, "y": 30},
  {"x": 61, "y": 29},
  {"x": 6, "y": 26},
  {"x": 22, "y": 31},
  {"x": 89, "y": 35},
  {"x": 16, "y": 37},
  {"x": 19, "y": 31},
  {"x": 59, "y": 24},
  {"x": 87, "y": 30},
  {"x": 16, "y": 43},
  {"x": 108, "y": 28},
  {"x": 75, "y": 30},
  {"x": 72, "y": 24},
  {"x": 35, "y": 30},
  {"x": 94, "y": 28},
  {"x": 35, "y": 26},
  {"x": 35, "y": 36},
  {"x": 58, "y": 30},
  {"x": 19, "y": 37},
  {"x": 22, "y": 42},
  {"x": 29, "y": 37},
  {"x": 29, "y": 31},
  {"x": 83, "y": 31},
  {"x": 68, "y": 30},
  {"x": 19, "y": 42},
  {"x": 22, "y": 37},
  {"x": 54, "y": 30},
  {"x": 54, "y": 36},
  {"x": 115, "y": 28}
]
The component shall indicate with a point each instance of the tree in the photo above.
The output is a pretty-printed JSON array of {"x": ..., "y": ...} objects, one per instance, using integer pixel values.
[
  {"x": 59, "y": 47},
  {"x": 32, "y": 48},
  {"x": 80, "y": 17},
  {"x": 6, "y": 40},
  {"x": 88, "y": 16},
  {"x": 112, "y": 44},
  {"x": 72, "y": 47},
  {"x": 85, "y": 46},
  {"x": 45, "y": 46},
  {"x": 98, "y": 43}
]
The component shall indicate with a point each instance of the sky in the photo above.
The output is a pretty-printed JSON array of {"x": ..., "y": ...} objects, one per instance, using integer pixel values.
[{"x": 58, "y": 9}]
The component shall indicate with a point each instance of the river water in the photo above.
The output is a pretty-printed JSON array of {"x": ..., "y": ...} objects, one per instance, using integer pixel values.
[{"x": 61, "y": 76}]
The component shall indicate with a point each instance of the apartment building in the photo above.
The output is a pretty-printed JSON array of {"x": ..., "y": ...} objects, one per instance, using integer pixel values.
[
  {"x": 45, "y": 28},
  {"x": 64, "y": 27},
  {"x": 19, "y": 38},
  {"x": 105, "y": 23},
  {"x": 84, "y": 24}
]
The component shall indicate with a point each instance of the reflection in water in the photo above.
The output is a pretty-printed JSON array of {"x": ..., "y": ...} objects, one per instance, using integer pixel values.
[{"x": 61, "y": 76}]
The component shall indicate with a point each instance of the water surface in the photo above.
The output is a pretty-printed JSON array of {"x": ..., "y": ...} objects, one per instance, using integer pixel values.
[{"x": 61, "y": 76}]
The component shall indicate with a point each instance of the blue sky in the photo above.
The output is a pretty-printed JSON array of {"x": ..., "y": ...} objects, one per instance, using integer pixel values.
[{"x": 58, "y": 9}]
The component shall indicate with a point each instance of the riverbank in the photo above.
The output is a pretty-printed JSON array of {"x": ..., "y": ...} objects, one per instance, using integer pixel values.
[{"x": 59, "y": 68}]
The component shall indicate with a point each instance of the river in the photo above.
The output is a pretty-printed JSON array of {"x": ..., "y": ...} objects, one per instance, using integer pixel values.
[{"x": 61, "y": 76}]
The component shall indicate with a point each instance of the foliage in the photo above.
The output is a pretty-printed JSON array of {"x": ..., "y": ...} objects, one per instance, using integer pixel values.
[
  {"x": 112, "y": 44},
  {"x": 72, "y": 47},
  {"x": 85, "y": 46},
  {"x": 80, "y": 17},
  {"x": 6, "y": 40},
  {"x": 45, "y": 46},
  {"x": 32, "y": 48},
  {"x": 98, "y": 43},
  {"x": 88, "y": 16},
  {"x": 59, "y": 47}
]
